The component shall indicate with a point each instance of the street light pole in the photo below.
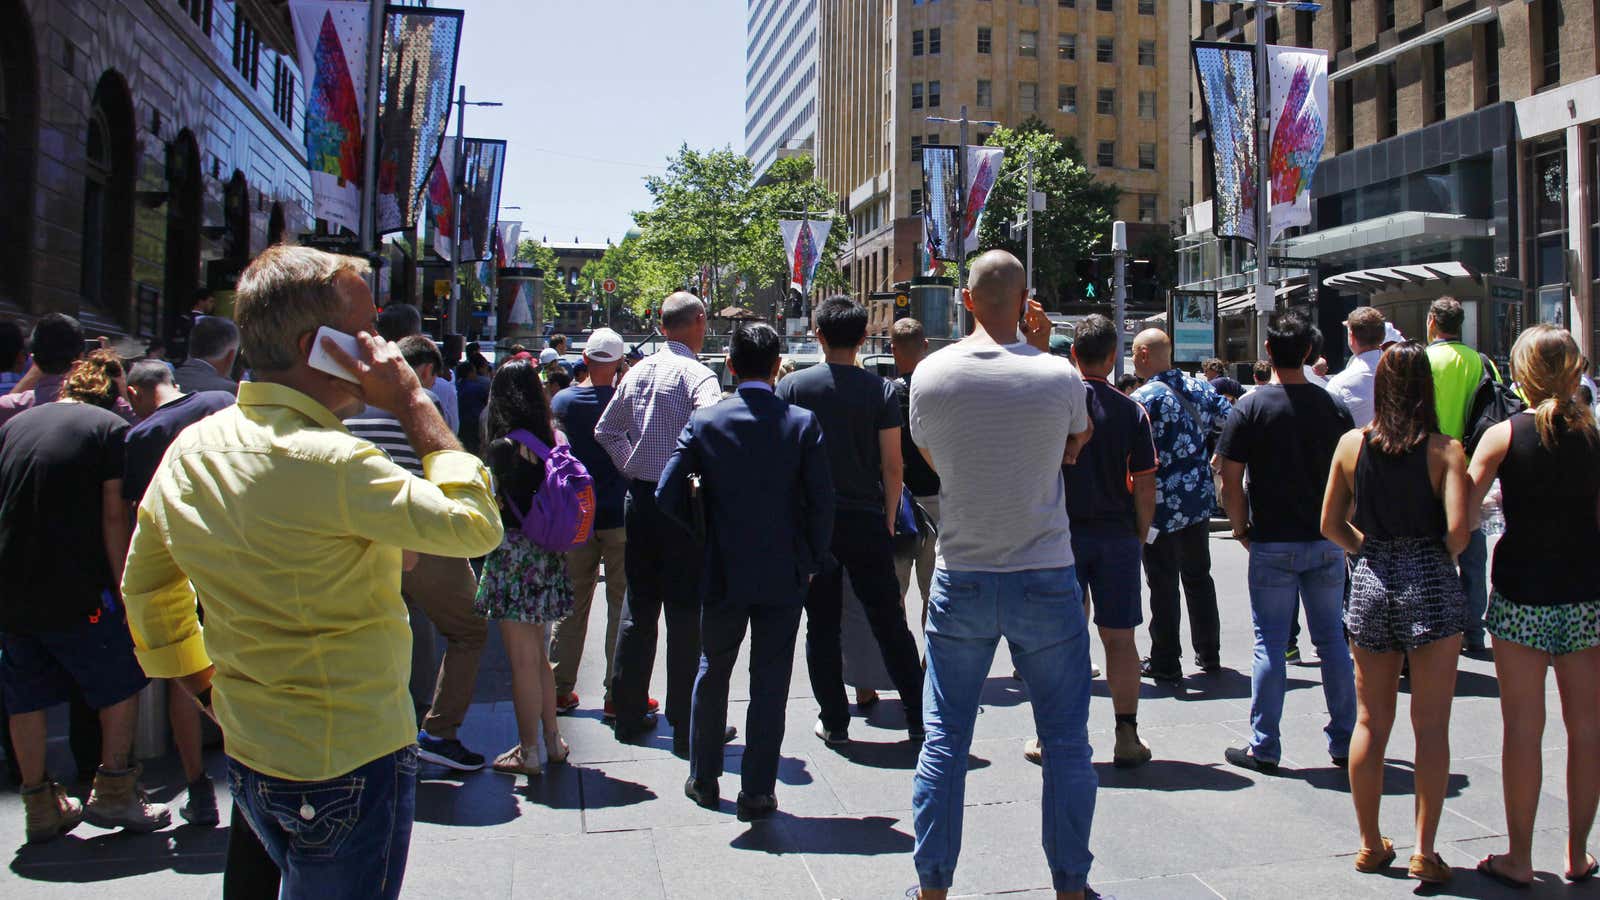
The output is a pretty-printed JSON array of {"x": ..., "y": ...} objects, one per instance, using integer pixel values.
[
  {"x": 1030, "y": 223},
  {"x": 961, "y": 211},
  {"x": 1265, "y": 302}
]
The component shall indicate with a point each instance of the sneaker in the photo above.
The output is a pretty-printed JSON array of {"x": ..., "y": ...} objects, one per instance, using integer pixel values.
[
  {"x": 1293, "y": 653},
  {"x": 50, "y": 812},
  {"x": 116, "y": 801},
  {"x": 200, "y": 807},
  {"x": 1241, "y": 757},
  {"x": 831, "y": 738},
  {"x": 1146, "y": 670},
  {"x": 566, "y": 703},
  {"x": 1094, "y": 670},
  {"x": 447, "y": 752},
  {"x": 609, "y": 714},
  {"x": 1130, "y": 751},
  {"x": 1033, "y": 752}
]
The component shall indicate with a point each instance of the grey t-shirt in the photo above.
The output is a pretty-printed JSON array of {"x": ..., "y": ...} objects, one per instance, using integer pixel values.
[{"x": 996, "y": 420}]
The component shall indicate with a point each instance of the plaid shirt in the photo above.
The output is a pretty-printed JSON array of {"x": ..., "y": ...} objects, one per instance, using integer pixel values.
[{"x": 640, "y": 427}]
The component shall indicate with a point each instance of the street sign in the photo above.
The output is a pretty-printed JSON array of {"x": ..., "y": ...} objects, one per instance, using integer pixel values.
[
  {"x": 609, "y": 285},
  {"x": 1291, "y": 262}
]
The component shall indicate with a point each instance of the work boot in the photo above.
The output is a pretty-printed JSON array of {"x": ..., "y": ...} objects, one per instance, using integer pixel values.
[
  {"x": 51, "y": 811},
  {"x": 118, "y": 802},
  {"x": 1130, "y": 751},
  {"x": 200, "y": 808}
]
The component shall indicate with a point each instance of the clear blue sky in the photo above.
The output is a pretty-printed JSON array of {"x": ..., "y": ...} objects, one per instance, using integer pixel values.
[{"x": 597, "y": 94}]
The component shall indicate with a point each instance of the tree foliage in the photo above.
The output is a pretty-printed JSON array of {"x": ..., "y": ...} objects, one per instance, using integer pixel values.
[
  {"x": 531, "y": 251},
  {"x": 1076, "y": 218},
  {"x": 703, "y": 215},
  {"x": 790, "y": 187}
]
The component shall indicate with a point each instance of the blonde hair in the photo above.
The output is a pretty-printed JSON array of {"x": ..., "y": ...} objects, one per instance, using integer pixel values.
[
  {"x": 93, "y": 380},
  {"x": 286, "y": 292},
  {"x": 1546, "y": 364}
]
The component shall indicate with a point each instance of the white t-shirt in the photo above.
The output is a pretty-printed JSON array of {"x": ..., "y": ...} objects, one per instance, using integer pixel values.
[
  {"x": 446, "y": 394},
  {"x": 996, "y": 420},
  {"x": 1354, "y": 386}
]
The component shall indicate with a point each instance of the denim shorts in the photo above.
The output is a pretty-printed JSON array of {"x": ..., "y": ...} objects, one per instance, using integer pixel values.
[
  {"x": 1108, "y": 573},
  {"x": 40, "y": 669}
]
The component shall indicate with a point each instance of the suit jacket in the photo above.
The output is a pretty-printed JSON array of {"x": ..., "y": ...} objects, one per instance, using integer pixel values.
[
  {"x": 195, "y": 375},
  {"x": 768, "y": 497}
]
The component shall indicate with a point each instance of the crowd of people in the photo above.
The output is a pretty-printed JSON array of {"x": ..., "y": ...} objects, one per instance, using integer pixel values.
[{"x": 282, "y": 550}]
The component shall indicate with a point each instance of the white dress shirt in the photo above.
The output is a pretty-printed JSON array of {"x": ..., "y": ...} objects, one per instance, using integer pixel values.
[{"x": 1354, "y": 385}]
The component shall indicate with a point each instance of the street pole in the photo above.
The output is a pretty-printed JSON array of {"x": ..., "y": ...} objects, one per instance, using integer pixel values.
[
  {"x": 1119, "y": 294},
  {"x": 369, "y": 152},
  {"x": 1030, "y": 223},
  {"x": 459, "y": 165},
  {"x": 961, "y": 211},
  {"x": 1265, "y": 301}
]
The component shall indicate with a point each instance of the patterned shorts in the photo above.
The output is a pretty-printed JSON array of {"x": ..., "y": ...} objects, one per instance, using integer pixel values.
[
  {"x": 1557, "y": 629},
  {"x": 1404, "y": 593}
]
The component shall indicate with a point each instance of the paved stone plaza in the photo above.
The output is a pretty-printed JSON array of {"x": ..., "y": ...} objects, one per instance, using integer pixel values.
[{"x": 615, "y": 824}]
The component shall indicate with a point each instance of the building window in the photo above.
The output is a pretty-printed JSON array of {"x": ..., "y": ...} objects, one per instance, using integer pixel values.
[
  {"x": 1067, "y": 98},
  {"x": 916, "y": 42},
  {"x": 932, "y": 141},
  {"x": 283, "y": 91},
  {"x": 1105, "y": 50},
  {"x": 1105, "y": 5},
  {"x": 1549, "y": 213},
  {"x": 933, "y": 95},
  {"x": 1028, "y": 96},
  {"x": 1147, "y": 104},
  {"x": 1147, "y": 207},
  {"x": 1438, "y": 104},
  {"x": 916, "y": 148},
  {"x": 1272, "y": 28},
  {"x": 985, "y": 39},
  {"x": 916, "y": 95},
  {"x": 1027, "y": 43},
  {"x": 933, "y": 41},
  {"x": 1341, "y": 24},
  {"x": 199, "y": 12},
  {"x": 1491, "y": 62},
  {"x": 1147, "y": 53},
  {"x": 1388, "y": 14},
  {"x": 1067, "y": 47},
  {"x": 246, "y": 47},
  {"x": 916, "y": 201},
  {"x": 1343, "y": 118},
  {"x": 1147, "y": 156},
  {"x": 1391, "y": 101},
  {"x": 1550, "y": 21},
  {"x": 1027, "y": 2},
  {"x": 1105, "y": 101},
  {"x": 1105, "y": 154},
  {"x": 1302, "y": 29},
  {"x": 985, "y": 93},
  {"x": 1067, "y": 4},
  {"x": 1147, "y": 7}
]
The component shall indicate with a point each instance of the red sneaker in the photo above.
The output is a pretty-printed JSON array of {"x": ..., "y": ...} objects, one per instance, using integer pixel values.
[
  {"x": 610, "y": 714},
  {"x": 567, "y": 702}
]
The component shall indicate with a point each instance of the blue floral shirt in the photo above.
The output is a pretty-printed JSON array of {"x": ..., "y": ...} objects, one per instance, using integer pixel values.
[{"x": 1184, "y": 491}]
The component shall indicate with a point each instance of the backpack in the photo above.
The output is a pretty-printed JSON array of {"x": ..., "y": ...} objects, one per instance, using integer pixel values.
[
  {"x": 560, "y": 517},
  {"x": 1493, "y": 402}
]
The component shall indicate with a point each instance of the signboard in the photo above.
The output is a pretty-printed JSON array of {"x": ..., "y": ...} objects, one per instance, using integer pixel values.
[
  {"x": 609, "y": 285},
  {"x": 1291, "y": 262},
  {"x": 1193, "y": 319}
]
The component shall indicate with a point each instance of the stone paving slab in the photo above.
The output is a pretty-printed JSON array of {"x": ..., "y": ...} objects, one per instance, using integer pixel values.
[{"x": 614, "y": 823}]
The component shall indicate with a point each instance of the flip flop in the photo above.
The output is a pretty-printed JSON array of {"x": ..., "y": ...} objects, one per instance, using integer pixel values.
[
  {"x": 1486, "y": 867},
  {"x": 1586, "y": 874}
]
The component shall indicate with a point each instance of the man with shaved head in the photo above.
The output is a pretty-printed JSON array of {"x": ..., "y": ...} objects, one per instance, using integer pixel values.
[
  {"x": 639, "y": 430},
  {"x": 997, "y": 416},
  {"x": 1184, "y": 413}
]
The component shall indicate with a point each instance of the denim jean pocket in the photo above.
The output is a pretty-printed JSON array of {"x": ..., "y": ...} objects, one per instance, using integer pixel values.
[
  {"x": 1272, "y": 568},
  {"x": 406, "y": 761},
  {"x": 318, "y": 815}
]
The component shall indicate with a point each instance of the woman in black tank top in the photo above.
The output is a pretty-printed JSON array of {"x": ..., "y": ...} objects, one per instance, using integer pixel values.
[
  {"x": 1397, "y": 502},
  {"x": 1546, "y": 605}
]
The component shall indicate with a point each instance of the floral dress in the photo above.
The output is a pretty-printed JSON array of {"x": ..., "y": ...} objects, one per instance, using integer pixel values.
[{"x": 521, "y": 581}]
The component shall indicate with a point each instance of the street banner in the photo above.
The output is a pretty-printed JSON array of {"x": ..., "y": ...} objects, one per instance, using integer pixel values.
[
  {"x": 983, "y": 167},
  {"x": 1228, "y": 91},
  {"x": 803, "y": 240},
  {"x": 941, "y": 199},
  {"x": 509, "y": 235},
  {"x": 1194, "y": 325},
  {"x": 419, "y": 69},
  {"x": 521, "y": 312},
  {"x": 480, "y": 194},
  {"x": 440, "y": 210},
  {"x": 1299, "y": 116},
  {"x": 331, "y": 42}
]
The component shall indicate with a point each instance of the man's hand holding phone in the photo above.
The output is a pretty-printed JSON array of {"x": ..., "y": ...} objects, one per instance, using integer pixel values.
[
  {"x": 1036, "y": 326},
  {"x": 377, "y": 366}
]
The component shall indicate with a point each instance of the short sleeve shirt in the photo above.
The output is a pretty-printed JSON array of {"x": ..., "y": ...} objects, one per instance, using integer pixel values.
[
  {"x": 579, "y": 409},
  {"x": 852, "y": 405},
  {"x": 54, "y": 462},
  {"x": 1285, "y": 434},
  {"x": 1184, "y": 492},
  {"x": 1100, "y": 485}
]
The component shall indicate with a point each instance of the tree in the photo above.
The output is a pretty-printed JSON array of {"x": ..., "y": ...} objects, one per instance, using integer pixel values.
[
  {"x": 702, "y": 216},
  {"x": 531, "y": 251},
  {"x": 1076, "y": 218}
]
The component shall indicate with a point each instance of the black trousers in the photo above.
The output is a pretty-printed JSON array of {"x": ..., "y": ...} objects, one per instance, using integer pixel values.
[
  {"x": 773, "y": 628},
  {"x": 863, "y": 547},
  {"x": 1182, "y": 556},
  {"x": 663, "y": 566}
]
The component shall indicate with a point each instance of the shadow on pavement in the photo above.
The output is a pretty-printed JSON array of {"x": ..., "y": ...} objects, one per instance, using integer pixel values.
[
  {"x": 1398, "y": 779},
  {"x": 1003, "y": 692},
  {"x": 866, "y": 836},
  {"x": 791, "y": 770},
  {"x": 471, "y": 802},
  {"x": 109, "y": 855},
  {"x": 1172, "y": 775}
]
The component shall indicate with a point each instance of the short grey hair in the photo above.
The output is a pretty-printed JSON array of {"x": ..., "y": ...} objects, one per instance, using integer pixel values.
[
  {"x": 287, "y": 292},
  {"x": 146, "y": 374},
  {"x": 213, "y": 337},
  {"x": 681, "y": 309}
]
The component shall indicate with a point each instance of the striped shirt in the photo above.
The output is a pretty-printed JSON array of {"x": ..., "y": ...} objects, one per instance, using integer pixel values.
[
  {"x": 377, "y": 426},
  {"x": 640, "y": 427}
]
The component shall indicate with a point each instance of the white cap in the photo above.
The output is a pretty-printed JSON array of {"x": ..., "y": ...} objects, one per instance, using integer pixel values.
[
  {"x": 1391, "y": 334},
  {"x": 548, "y": 355},
  {"x": 604, "y": 346}
]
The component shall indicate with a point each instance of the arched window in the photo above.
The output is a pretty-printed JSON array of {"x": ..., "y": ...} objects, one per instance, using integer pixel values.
[
  {"x": 19, "y": 110},
  {"x": 183, "y": 228},
  {"x": 106, "y": 257},
  {"x": 236, "y": 217},
  {"x": 277, "y": 228}
]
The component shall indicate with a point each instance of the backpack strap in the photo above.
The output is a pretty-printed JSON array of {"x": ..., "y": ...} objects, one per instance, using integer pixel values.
[{"x": 525, "y": 437}]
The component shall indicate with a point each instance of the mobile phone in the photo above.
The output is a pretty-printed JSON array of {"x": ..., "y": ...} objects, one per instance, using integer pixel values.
[{"x": 322, "y": 362}]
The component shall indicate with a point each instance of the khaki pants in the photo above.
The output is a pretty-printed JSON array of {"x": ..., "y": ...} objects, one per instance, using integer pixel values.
[
  {"x": 583, "y": 567},
  {"x": 923, "y": 558},
  {"x": 443, "y": 589}
]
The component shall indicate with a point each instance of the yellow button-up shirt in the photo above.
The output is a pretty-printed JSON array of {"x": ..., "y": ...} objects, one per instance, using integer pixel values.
[{"x": 290, "y": 530}]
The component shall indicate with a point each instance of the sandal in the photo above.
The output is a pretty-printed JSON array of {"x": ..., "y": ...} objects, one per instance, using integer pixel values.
[
  {"x": 514, "y": 762},
  {"x": 1586, "y": 874},
  {"x": 1429, "y": 869},
  {"x": 550, "y": 756},
  {"x": 1370, "y": 861},
  {"x": 1486, "y": 867}
]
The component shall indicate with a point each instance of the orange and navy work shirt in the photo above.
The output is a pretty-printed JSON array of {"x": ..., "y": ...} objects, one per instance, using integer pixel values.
[{"x": 1100, "y": 486}]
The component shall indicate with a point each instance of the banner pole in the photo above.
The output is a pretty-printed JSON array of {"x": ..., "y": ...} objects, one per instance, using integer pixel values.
[
  {"x": 369, "y": 165},
  {"x": 1263, "y": 294}
]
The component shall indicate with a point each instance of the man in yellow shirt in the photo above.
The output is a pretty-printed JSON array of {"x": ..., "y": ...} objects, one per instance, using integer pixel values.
[{"x": 289, "y": 531}]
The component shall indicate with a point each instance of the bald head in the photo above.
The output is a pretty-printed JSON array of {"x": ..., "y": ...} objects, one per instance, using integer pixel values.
[
  {"x": 1152, "y": 352},
  {"x": 998, "y": 283},
  {"x": 683, "y": 319}
]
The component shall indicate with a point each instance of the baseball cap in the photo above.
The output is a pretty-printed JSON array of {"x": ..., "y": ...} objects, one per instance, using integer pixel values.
[
  {"x": 604, "y": 346},
  {"x": 548, "y": 355}
]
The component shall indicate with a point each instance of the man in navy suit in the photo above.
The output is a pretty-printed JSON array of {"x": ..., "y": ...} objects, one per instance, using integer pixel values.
[{"x": 767, "y": 495}]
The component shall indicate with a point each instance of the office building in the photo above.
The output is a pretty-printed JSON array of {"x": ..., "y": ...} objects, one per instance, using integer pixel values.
[{"x": 780, "y": 105}]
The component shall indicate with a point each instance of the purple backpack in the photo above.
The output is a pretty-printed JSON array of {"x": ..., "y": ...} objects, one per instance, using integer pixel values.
[{"x": 561, "y": 514}]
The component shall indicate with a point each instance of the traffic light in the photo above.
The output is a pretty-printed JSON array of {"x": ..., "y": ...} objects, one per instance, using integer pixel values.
[{"x": 1088, "y": 271}]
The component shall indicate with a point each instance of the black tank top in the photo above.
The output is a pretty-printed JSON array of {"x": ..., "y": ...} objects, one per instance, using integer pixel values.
[
  {"x": 1394, "y": 495},
  {"x": 1550, "y": 553}
]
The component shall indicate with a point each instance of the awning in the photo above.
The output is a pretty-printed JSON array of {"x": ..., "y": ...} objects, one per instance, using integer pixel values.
[
  {"x": 1429, "y": 276},
  {"x": 1397, "y": 231},
  {"x": 1245, "y": 301},
  {"x": 1437, "y": 35}
]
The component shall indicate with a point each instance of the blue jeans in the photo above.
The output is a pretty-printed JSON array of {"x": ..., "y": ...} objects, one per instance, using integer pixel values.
[
  {"x": 1474, "y": 564},
  {"x": 1040, "y": 614},
  {"x": 343, "y": 837},
  {"x": 1312, "y": 572}
]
